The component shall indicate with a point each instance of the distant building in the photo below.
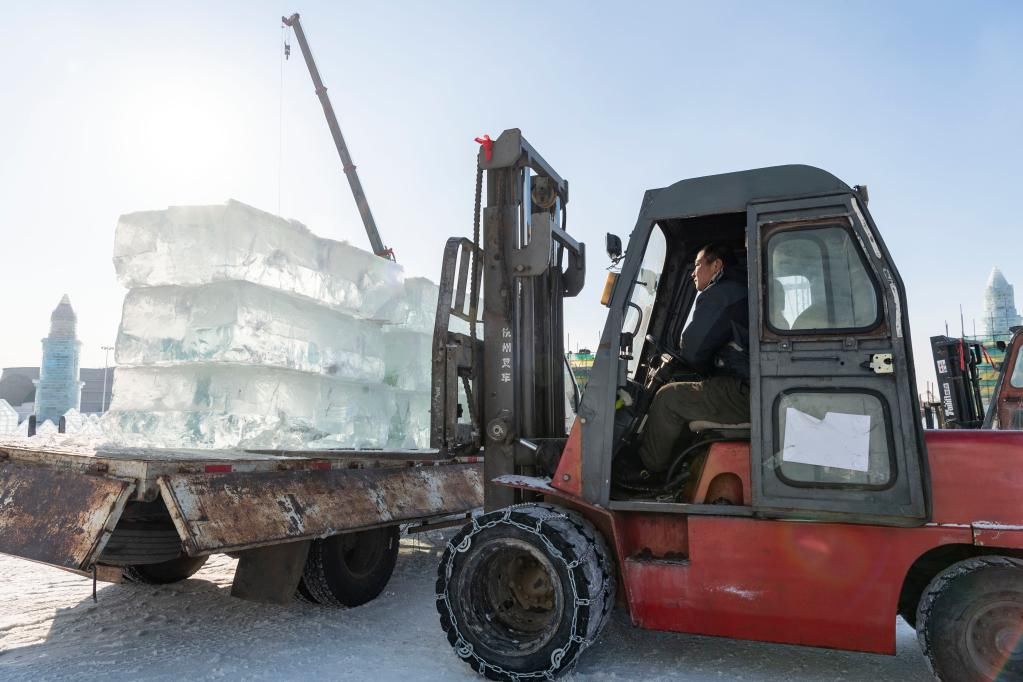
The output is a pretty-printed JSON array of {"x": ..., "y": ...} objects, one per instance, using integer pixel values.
[
  {"x": 999, "y": 307},
  {"x": 95, "y": 390}
]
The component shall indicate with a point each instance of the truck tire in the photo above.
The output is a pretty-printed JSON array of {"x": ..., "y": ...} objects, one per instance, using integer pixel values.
[
  {"x": 350, "y": 569},
  {"x": 522, "y": 591},
  {"x": 164, "y": 572},
  {"x": 970, "y": 619}
]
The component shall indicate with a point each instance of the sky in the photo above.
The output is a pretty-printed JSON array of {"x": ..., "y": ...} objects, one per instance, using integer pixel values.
[{"x": 113, "y": 107}]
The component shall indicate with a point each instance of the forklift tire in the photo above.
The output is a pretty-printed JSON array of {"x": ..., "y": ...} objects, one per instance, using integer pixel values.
[
  {"x": 350, "y": 569},
  {"x": 522, "y": 591},
  {"x": 165, "y": 572},
  {"x": 969, "y": 620}
]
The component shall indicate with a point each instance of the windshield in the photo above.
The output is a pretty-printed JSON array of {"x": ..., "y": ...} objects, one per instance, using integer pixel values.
[{"x": 637, "y": 317}]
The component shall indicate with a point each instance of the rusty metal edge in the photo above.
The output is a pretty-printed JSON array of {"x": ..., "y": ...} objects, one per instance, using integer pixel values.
[
  {"x": 177, "y": 517},
  {"x": 108, "y": 527},
  {"x": 191, "y": 549}
]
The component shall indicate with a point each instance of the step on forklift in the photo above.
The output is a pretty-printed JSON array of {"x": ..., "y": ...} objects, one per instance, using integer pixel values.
[{"x": 818, "y": 523}]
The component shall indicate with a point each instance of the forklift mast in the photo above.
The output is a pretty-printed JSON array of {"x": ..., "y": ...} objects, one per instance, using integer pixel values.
[
  {"x": 955, "y": 364},
  {"x": 526, "y": 263}
]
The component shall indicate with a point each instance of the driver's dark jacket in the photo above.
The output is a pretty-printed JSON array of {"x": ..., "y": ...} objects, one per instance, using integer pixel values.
[{"x": 716, "y": 342}]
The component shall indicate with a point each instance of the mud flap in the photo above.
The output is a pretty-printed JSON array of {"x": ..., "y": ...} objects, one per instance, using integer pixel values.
[
  {"x": 270, "y": 575},
  {"x": 237, "y": 511},
  {"x": 58, "y": 516}
]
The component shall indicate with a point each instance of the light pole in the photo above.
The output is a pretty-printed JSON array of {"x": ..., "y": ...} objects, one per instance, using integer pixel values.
[{"x": 106, "y": 363}]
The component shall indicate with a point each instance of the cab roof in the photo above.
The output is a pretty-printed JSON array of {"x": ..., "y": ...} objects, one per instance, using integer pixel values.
[{"x": 732, "y": 192}]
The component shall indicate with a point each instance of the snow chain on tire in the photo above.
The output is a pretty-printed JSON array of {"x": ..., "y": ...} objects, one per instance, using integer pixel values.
[{"x": 591, "y": 556}]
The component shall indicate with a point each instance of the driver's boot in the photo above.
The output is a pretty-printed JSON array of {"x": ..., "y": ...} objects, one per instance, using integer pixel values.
[{"x": 627, "y": 469}]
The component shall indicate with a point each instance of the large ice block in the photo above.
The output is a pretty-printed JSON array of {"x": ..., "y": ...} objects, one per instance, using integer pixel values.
[
  {"x": 210, "y": 404},
  {"x": 246, "y": 323},
  {"x": 416, "y": 308},
  {"x": 407, "y": 359},
  {"x": 196, "y": 245},
  {"x": 8, "y": 417}
]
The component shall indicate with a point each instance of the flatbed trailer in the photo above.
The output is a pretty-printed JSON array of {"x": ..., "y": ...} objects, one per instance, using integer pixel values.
[{"x": 322, "y": 522}]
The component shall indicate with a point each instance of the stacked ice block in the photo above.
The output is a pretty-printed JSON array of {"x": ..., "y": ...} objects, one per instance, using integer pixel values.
[{"x": 241, "y": 328}]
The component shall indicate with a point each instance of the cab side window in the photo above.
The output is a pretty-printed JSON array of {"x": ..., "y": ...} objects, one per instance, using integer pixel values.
[
  {"x": 818, "y": 281},
  {"x": 1016, "y": 380}
]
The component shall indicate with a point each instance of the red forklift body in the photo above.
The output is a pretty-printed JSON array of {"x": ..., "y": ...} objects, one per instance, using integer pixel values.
[{"x": 820, "y": 584}]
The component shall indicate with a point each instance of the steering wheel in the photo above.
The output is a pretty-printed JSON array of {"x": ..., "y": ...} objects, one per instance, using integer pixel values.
[{"x": 664, "y": 351}]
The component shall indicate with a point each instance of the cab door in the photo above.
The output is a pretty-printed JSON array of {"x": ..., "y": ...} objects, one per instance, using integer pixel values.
[
  {"x": 835, "y": 428},
  {"x": 1008, "y": 398}
]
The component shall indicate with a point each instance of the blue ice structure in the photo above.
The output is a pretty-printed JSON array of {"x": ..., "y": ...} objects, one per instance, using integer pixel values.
[{"x": 58, "y": 388}]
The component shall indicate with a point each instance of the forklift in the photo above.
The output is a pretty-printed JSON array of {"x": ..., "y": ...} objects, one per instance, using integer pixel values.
[
  {"x": 820, "y": 521},
  {"x": 960, "y": 404},
  {"x": 957, "y": 368}
]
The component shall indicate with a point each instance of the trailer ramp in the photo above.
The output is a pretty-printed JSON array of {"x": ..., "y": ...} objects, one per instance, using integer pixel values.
[
  {"x": 224, "y": 512},
  {"x": 57, "y": 516}
]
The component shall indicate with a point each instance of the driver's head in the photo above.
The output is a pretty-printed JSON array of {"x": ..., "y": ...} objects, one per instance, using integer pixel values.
[{"x": 710, "y": 264}]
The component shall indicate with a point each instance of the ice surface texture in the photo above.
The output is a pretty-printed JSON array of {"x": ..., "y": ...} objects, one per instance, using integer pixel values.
[
  {"x": 246, "y": 323},
  {"x": 8, "y": 417},
  {"x": 204, "y": 404},
  {"x": 196, "y": 245}
]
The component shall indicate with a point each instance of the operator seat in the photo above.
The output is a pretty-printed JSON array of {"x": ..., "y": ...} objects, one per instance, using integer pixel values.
[
  {"x": 704, "y": 429},
  {"x": 814, "y": 317}
]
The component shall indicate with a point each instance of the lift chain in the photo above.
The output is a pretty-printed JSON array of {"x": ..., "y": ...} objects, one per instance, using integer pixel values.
[{"x": 474, "y": 308}]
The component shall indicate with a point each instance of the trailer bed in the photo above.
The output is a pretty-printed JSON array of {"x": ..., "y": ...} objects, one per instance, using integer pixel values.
[{"x": 60, "y": 503}]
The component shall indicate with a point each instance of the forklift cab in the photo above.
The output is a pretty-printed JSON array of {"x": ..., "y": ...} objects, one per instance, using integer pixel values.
[{"x": 833, "y": 433}]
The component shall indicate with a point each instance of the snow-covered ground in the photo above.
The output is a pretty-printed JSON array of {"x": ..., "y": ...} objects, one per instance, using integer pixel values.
[{"x": 50, "y": 629}]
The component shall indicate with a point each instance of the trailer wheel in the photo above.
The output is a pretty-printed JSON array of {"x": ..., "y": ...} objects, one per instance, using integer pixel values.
[
  {"x": 522, "y": 591},
  {"x": 164, "y": 572},
  {"x": 970, "y": 620},
  {"x": 350, "y": 569}
]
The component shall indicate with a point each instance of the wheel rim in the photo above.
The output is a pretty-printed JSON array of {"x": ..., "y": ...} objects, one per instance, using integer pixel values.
[
  {"x": 515, "y": 598},
  {"x": 993, "y": 637},
  {"x": 361, "y": 552}
]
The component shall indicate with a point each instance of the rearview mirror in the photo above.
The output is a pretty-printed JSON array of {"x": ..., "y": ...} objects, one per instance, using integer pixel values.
[
  {"x": 614, "y": 247},
  {"x": 1000, "y": 345}
]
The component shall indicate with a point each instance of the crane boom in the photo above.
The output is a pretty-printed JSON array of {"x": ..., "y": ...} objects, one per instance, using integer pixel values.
[{"x": 339, "y": 142}]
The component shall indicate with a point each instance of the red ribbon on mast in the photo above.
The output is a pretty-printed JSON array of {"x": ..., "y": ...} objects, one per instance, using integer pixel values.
[{"x": 488, "y": 146}]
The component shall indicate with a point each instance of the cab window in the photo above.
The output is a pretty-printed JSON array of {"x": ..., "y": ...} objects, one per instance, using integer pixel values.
[
  {"x": 818, "y": 280},
  {"x": 837, "y": 438},
  {"x": 644, "y": 292},
  {"x": 1016, "y": 380}
]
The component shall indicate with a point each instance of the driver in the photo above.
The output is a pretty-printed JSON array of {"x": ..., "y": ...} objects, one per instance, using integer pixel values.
[{"x": 716, "y": 345}]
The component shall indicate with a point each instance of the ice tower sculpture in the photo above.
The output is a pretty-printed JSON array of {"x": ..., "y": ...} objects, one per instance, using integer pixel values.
[
  {"x": 999, "y": 306},
  {"x": 58, "y": 388}
]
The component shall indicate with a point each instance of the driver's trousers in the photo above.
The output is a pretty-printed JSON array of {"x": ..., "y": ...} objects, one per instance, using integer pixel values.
[{"x": 722, "y": 399}]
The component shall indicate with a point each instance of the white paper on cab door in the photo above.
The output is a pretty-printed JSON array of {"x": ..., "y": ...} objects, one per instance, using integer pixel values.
[{"x": 839, "y": 440}]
